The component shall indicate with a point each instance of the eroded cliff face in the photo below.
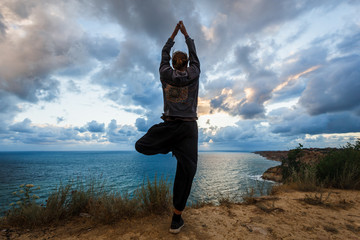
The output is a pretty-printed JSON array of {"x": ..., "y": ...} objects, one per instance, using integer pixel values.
[
  {"x": 308, "y": 156},
  {"x": 273, "y": 174}
]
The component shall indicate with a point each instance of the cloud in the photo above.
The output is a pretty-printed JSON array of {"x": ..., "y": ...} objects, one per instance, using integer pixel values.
[
  {"x": 22, "y": 127},
  {"x": 73, "y": 87},
  {"x": 95, "y": 127},
  {"x": 141, "y": 125},
  {"x": 130, "y": 78},
  {"x": 334, "y": 87},
  {"x": 247, "y": 98},
  {"x": 8, "y": 110},
  {"x": 102, "y": 48},
  {"x": 244, "y": 136},
  {"x": 293, "y": 122},
  {"x": 351, "y": 43},
  {"x": 60, "y": 119},
  {"x": 46, "y": 42},
  {"x": 28, "y": 133},
  {"x": 117, "y": 133},
  {"x": 150, "y": 18},
  {"x": 2, "y": 25}
]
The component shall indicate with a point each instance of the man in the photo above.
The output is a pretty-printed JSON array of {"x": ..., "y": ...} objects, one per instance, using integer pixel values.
[{"x": 179, "y": 132}]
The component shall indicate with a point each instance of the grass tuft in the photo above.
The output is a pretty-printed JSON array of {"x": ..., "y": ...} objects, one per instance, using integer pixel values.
[{"x": 155, "y": 197}]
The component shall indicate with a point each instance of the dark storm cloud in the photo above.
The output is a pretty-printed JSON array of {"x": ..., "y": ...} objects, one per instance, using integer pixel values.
[
  {"x": 305, "y": 59},
  {"x": 351, "y": 43},
  {"x": 50, "y": 45},
  {"x": 296, "y": 121},
  {"x": 155, "y": 19},
  {"x": 132, "y": 78},
  {"x": 145, "y": 24},
  {"x": 244, "y": 59},
  {"x": 334, "y": 87},
  {"x": 262, "y": 82},
  {"x": 28, "y": 61}
]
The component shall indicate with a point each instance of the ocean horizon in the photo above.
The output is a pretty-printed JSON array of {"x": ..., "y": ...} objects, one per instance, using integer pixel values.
[{"x": 219, "y": 173}]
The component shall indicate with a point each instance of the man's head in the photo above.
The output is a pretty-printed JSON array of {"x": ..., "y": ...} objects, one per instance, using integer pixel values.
[{"x": 180, "y": 60}]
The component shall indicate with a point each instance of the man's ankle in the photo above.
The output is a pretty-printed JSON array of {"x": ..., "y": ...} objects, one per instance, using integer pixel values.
[
  {"x": 177, "y": 212},
  {"x": 177, "y": 215}
]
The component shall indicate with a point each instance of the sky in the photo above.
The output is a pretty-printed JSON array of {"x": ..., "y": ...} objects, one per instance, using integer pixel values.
[{"x": 83, "y": 75}]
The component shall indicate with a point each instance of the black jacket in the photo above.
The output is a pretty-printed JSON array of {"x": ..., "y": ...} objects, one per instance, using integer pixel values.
[{"x": 180, "y": 89}]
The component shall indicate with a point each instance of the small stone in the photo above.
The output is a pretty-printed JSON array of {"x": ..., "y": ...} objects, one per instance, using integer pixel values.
[
  {"x": 84, "y": 215},
  {"x": 257, "y": 229}
]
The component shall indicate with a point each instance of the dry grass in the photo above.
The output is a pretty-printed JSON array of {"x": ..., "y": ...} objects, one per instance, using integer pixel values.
[{"x": 89, "y": 197}]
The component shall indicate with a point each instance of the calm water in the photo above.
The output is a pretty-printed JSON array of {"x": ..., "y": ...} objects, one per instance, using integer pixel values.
[{"x": 218, "y": 173}]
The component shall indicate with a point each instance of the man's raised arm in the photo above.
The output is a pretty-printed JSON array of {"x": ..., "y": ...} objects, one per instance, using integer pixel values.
[
  {"x": 194, "y": 66},
  {"x": 165, "y": 68}
]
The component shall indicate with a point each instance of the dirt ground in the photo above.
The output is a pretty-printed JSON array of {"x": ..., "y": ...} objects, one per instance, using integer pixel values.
[{"x": 286, "y": 215}]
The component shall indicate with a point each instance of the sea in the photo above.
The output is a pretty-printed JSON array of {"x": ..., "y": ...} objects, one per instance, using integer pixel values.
[{"x": 219, "y": 174}]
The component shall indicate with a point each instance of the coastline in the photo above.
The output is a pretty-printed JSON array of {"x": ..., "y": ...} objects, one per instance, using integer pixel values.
[
  {"x": 309, "y": 155},
  {"x": 284, "y": 214},
  {"x": 273, "y": 173}
]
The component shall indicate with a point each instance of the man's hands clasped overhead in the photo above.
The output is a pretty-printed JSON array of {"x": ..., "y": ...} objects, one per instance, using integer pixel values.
[{"x": 179, "y": 26}]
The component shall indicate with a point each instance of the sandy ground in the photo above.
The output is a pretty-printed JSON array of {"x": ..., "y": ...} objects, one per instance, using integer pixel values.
[{"x": 282, "y": 216}]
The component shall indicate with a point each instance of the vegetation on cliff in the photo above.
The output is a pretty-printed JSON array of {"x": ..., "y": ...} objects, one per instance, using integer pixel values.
[{"x": 337, "y": 168}]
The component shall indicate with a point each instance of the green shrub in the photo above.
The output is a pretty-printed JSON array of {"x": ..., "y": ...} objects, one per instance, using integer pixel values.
[
  {"x": 341, "y": 168},
  {"x": 292, "y": 163}
]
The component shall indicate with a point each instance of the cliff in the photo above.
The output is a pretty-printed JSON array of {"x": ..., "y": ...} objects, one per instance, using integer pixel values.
[{"x": 308, "y": 156}]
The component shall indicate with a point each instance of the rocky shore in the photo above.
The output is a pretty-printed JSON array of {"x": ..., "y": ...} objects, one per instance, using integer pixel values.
[
  {"x": 273, "y": 173},
  {"x": 309, "y": 155}
]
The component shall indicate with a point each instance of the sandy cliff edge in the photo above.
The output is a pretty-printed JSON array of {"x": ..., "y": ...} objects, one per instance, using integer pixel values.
[{"x": 282, "y": 216}]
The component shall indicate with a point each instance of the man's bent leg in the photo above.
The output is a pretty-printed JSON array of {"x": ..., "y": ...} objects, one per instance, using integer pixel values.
[{"x": 158, "y": 139}]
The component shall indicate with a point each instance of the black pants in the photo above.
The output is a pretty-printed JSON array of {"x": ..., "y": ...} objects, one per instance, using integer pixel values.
[{"x": 181, "y": 138}]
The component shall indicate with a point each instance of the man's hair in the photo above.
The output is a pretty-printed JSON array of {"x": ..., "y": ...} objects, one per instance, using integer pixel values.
[{"x": 179, "y": 60}]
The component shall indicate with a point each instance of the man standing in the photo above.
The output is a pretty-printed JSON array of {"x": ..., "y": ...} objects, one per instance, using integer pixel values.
[{"x": 179, "y": 132}]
